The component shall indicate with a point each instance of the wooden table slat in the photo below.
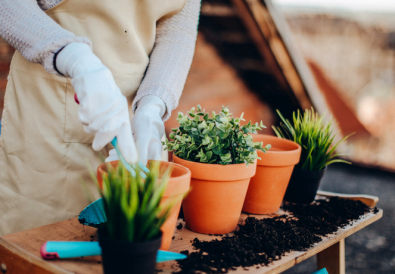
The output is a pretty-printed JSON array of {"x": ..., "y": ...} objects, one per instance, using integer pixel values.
[{"x": 22, "y": 249}]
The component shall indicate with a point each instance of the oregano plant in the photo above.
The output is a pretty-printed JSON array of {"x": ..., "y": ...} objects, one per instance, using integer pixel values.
[{"x": 219, "y": 139}]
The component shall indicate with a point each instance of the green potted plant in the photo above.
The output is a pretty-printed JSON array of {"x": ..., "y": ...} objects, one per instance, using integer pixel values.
[
  {"x": 132, "y": 234},
  {"x": 222, "y": 158},
  {"x": 315, "y": 135}
]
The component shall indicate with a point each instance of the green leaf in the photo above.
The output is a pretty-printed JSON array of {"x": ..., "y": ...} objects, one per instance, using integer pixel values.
[{"x": 218, "y": 140}]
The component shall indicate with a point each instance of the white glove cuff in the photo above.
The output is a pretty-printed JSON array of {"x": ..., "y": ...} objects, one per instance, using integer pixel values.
[
  {"x": 153, "y": 103},
  {"x": 77, "y": 59}
]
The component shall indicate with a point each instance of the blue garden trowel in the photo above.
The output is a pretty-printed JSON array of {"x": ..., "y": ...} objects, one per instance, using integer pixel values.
[
  {"x": 65, "y": 250},
  {"x": 94, "y": 214}
]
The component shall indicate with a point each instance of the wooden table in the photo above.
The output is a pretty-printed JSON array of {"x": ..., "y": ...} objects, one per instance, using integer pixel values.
[{"x": 19, "y": 252}]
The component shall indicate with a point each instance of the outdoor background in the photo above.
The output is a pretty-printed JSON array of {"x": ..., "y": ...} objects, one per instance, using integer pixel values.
[{"x": 352, "y": 44}]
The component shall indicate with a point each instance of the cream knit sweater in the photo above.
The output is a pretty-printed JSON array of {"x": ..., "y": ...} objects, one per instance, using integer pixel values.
[{"x": 25, "y": 26}]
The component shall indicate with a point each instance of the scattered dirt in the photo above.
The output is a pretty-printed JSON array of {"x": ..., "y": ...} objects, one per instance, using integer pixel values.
[{"x": 259, "y": 242}]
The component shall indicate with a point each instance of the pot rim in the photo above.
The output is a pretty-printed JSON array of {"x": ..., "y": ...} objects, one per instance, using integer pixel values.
[
  {"x": 152, "y": 244},
  {"x": 290, "y": 155},
  {"x": 217, "y": 172},
  {"x": 176, "y": 185},
  {"x": 310, "y": 173}
]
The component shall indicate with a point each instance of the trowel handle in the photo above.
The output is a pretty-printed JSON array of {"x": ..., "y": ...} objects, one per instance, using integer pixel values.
[
  {"x": 64, "y": 250},
  {"x": 114, "y": 142}
]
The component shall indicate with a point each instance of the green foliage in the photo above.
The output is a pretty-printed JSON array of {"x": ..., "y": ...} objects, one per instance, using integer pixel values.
[
  {"x": 132, "y": 205},
  {"x": 315, "y": 137},
  {"x": 216, "y": 140}
]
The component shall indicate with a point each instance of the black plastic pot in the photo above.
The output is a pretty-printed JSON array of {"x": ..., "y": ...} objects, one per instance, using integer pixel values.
[
  {"x": 303, "y": 186},
  {"x": 128, "y": 257}
]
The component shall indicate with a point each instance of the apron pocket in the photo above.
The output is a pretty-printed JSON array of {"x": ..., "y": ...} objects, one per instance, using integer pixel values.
[{"x": 74, "y": 130}]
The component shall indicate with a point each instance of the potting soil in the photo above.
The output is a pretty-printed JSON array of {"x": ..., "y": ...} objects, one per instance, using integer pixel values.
[{"x": 259, "y": 242}]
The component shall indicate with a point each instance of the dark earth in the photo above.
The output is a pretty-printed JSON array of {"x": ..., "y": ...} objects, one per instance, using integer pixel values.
[
  {"x": 259, "y": 242},
  {"x": 372, "y": 249}
]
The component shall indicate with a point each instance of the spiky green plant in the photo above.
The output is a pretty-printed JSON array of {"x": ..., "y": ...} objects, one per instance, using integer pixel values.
[
  {"x": 314, "y": 135},
  {"x": 216, "y": 140},
  {"x": 132, "y": 205}
]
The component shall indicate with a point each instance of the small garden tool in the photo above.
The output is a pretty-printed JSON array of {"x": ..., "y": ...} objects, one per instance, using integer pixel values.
[
  {"x": 114, "y": 142},
  {"x": 321, "y": 271},
  {"x": 94, "y": 214},
  {"x": 65, "y": 250}
]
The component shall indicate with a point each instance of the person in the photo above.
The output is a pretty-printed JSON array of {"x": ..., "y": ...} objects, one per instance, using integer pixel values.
[{"x": 127, "y": 62}]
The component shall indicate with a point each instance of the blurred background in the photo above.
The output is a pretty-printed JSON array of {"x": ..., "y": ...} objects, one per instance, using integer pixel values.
[{"x": 256, "y": 56}]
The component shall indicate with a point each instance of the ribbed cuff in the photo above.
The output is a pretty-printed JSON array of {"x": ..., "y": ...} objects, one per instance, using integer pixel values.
[{"x": 48, "y": 59}]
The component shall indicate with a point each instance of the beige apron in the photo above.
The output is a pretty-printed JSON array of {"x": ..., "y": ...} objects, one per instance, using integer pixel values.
[{"x": 43, "y": 147}]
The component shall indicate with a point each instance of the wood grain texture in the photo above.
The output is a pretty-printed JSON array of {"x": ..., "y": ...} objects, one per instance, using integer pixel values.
[
  {"x": 368, "y": 200},
  {"x": 184, "y": 236},
  {"x": 333, "y": 258},
  {"x": 16, "y": 260},
  {"x": 20, "y": 251},
  {"x": 30, "y": 242}
]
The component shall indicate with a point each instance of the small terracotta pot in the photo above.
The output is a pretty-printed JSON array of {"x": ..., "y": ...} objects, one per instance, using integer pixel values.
[
  {"x": 274, "y": 170},
  {"x": 178, "y": 184},
  {"x": 213, "y": 205}
]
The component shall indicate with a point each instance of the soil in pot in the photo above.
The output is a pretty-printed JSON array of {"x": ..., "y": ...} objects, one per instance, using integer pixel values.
[
  {"x": 128, "y": 257},
  {"x": 178, "y": 184},
  {"x": 259, "y": 242},
  {"x": 303, "y": 186},
  {"x": 214, "y": 203},
  {"x": 267, "y": 188}
]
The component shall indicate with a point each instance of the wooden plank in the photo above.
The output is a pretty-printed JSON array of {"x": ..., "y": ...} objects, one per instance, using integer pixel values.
[
  {"x": 22, "y": 249},
  {"x": 368, "y": 200},
  {"x": 333, "y": 258},
  {"x": 216, "y": 10},
  {"x": 264, "y": 31},
  {"x": 184, "y": 236},
  {"x": 295, "y": 59},
  {"x": 254, "y": 31},
  {"x": 30, "y": 242},
  {"x": 14, "y": 259}
]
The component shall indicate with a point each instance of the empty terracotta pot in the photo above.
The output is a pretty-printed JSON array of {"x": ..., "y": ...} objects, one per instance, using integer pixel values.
[
  {"x": 267, "y": 188},
  {"x": 178, "y": 185},
  {"x": 215, "y": 200}
]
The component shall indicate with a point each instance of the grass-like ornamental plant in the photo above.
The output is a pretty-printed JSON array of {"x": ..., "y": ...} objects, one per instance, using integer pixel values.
[
  {"x": 314, "y": 135},
  {"x": 132, "y": 205},
  {"x": 216, "y": 140}
]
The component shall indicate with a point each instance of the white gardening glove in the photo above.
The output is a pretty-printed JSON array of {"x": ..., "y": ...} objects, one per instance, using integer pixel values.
[
  {"x": 103, "y": 109},
  {"x": 148, "y": 129}
]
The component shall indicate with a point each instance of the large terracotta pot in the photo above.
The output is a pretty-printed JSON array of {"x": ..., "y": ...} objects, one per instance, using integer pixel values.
[
  {"x": 213, "y": 205},
  {"x": 274, "y": 170},
  {"x": 178, "y": 185}
]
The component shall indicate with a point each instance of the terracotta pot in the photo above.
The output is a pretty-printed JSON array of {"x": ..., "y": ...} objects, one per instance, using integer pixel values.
[
  {"x": 274, "y": 170},
  {"x": 178, "y": 185},
  {"x": 303, "y": 185},
  {"x": 213, "y": 205}
]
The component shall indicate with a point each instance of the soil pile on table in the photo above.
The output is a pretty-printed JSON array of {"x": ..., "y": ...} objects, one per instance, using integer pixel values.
[{"x": 259, "y": 242}]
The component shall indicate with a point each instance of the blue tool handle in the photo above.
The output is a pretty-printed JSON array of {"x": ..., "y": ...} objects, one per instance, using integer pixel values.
[
  {"x": 114, "y": 142},
  {"x": 321, "y": 271},
  {"x": 65, "y": 250}
]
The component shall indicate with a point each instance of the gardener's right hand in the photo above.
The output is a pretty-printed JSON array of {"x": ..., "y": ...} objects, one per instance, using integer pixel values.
[{"x": 103, "y": 109}]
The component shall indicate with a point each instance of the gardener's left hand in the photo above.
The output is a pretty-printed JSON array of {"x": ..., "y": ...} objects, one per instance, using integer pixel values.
[{"x": 148, "y": 129}]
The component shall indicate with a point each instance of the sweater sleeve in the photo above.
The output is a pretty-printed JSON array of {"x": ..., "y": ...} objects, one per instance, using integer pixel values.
[
  {"x": 33, "y": 33},
  {"x": 171, "y": 57}
]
